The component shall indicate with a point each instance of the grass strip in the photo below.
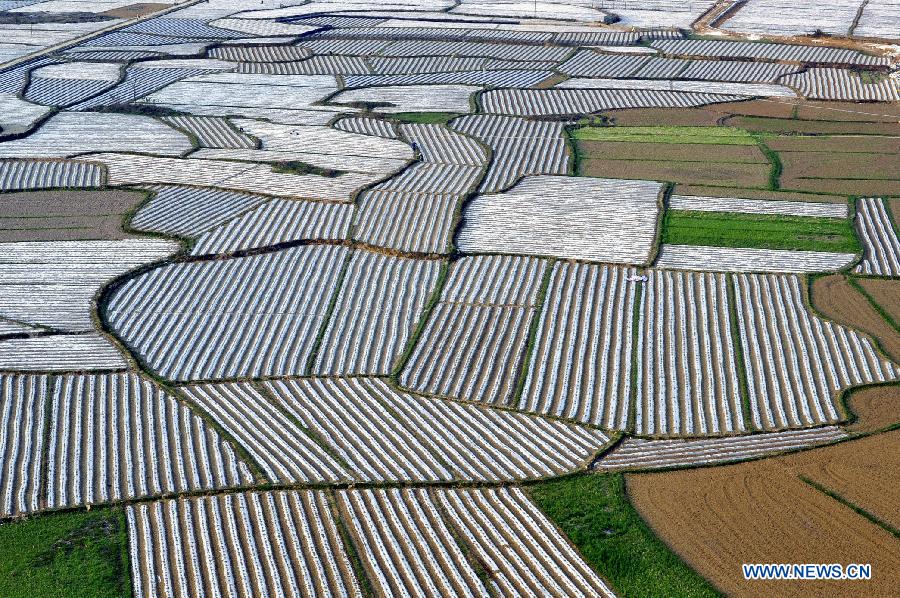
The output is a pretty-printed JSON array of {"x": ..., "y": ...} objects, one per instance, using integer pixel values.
[
  {"x": 685, "y": 134},
  {"x": 856, "y": 508},
  {"x": 533, "y": 332},
  {"x": 420, "y": 327},
  {"x": 329, "y": 311},
  {"x": 425, "y": 118},
  {"x": 80, "y": 553},
  {"x": 773, "y": 157},
  {"x": 764, "y": 231},
  {"x": 594, "y": 512},
  {"x": 739, "y": 358},
  {"x": 875, "y": 305}
]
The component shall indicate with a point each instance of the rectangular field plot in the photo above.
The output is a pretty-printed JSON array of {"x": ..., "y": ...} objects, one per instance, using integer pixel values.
[
  {"x": 843, "y": 84},
  {"x": 581, "y": 364},
  {"x": 757, "y": 206},
  {"x": 284, "y": 450},
  {"x": 795, "y": 362},
  {"x": 522, "y": 548},
  {"x": 472, "y": 346},
  {"x": 639, "y": 453},
  {"x": 384, "y": 435},
  {"x": 61, "y": 352},
  {"x": 379, "y": 304},
  {"x": 117, "y": 436},
  {"x": 406, "y": 546},
  {"x": 879, "y": 237},
  {"x": 744, "y": 259},
  {"x": 18, "y": 175},
  {"x": 23, "y": 402},
  {"x": 250, "y": 316},
  {"x": 253, "y": 544},
  {"x": 605, "y": 220},
  {"x": 688, "y": 372}
]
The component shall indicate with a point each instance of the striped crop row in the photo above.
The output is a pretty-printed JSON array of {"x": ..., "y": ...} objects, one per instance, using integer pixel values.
[
  {"x": 748, "y": 259},
  {"x": 638, "y": 453},
  {"x": 61, "y": 352},
  {"x": 785, "y": 52},
  {"x": 18, "y": 175},
  {"x": 449, "y": 64},
  {"x": 377, "y": 308},
  {"x": 188, "y": 211},
  {"x": 688, "y": 373},
  {"x": 843, "y": 84},
  {"x": 64, "y": 92},
  {"x": 317, "y": 65},
  {"x": 795, "y": 362},
  {"x": 266, "y": 53},
  {"x": 581, "y": 364},
  {"x": 250, "y": 316},
  {"x": 211, "y": 131},
  {"x": 879, "y": 237},
  {"x": 757, "y": 206},
  {"x": 367, "y": 126},
  {"x": 22, "y": 412},
  {"x": 574, "y": 102},
  {"x": 520, "y": 148},
  {"x": 509, "y": 78}
]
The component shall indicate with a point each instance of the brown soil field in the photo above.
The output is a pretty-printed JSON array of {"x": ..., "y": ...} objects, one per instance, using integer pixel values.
[
  {"x": 849, "y": 111},
  {"x": 717, "y": 518},
  {"x": 648, "y": 117},
  {"x": 876, "y": 407},
  {"x": 551, "y": 81},
  {"x": 885, "y": 292},
  {"x": 778, "y": 125},
  {"x": 894, "y": 209},
  {"x": 842, "y": 143},
  {"x": 65, "y": 215},
  {"x": 769, "y": 108},
  {"x": 834, "y": 297},
  {"x": 846, "y": 186},
  {"x": 680, "y": 152},
  {"x": 694, "y": 173},
  {"x": 135, "y": 10},
  {"x": 758, "y": 194},
  {"x": 841, "y": 165}
]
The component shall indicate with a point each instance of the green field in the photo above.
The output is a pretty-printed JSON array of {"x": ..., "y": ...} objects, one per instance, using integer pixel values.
[
  {"x": 594, "y": 511},
  {"x": 758, "y": 230},
  {"x": 695, "y": 135},
  {"x": 425, "y": 118},
  {"x": 65, "y": 554}
]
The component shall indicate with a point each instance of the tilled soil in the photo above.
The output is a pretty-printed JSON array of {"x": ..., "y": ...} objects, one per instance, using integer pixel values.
[
  {"x": 868, "y": 144},
  {"x": 836, "y": 299},
  {"x": 757, "y": 194},
  {"x": 679, "y": 152},
  {"x": 65, "y": 215},
  {"x": 135, "y": 10},
  {"x": 837, "y": 185},
  {"x": 885, "y": 292},
  {"x": 780, "y": 125},
  {"x": 849, "y": 111},
  {"x": 876, "y": 408},
  {"x": 694, "y": 173},
  {"x": 762, "y": 512},
  {"x": 841, "y": 165}
]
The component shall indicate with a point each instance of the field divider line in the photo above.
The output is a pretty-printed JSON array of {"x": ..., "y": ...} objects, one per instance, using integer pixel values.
[
  {"x": 852, "y": 280},
  {"x": 856, "y": 508},
  {"x": 539, "y": 306},
  {"x": 44, "y": 469},
  {"x": 346, "y": 533},
  {"x": 740, "y": 361},
  {"x": 329, "y": 312},
  {"x": 637, "y": 357}
]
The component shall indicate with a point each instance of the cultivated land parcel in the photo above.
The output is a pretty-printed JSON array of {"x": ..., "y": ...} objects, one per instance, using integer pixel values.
[{"x": 448, "y": 297}]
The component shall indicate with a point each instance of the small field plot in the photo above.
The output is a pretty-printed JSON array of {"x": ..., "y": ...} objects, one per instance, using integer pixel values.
[
  {"x": 251, "y": 316},
  {"x": 285, "y": 451},
  {"x": 765, "y": 51},
  {"x": 763, "y": 231},
  {"x": 688, "y": 373},
  {"x": 639, "y": 453},
  {"x": 377, "y": 309},
  {"x": 717, "y": 518},
  {"x": 277, "y": 221},
  {"x": 72, "y": 133},
  {"x": 19, "y": 175},
  {"x": 518, "y": 543},
  {"x": 53, "y": 284},
  {"x": 473, "y": 343},
  {"x": 61, "y": 352},
  {"x": 71, "y": 82},
  {"x": 795, "y": 362},
  {"x": 847, "y": 172},
  {"x": 741, "y": 205},
  {"x": 879, "y": 238},
  {"x": 65, "y": 215},
  {"x": 117, "y": 436},
  {"x": 605, "y": 220},
  {"x": 260, "y": 543},
  {"x": 844, "y": 85},
  {"x": 740, "y": 259},
  {"x": 23, "y": 401},
  {"x": 781, "y": 18},
  {"x": 406, "y": 545},
  {"x": 17, "y": 116},
  {"x": 211, "y": 131},
  {"x": 189, "y": 211},
  {"x": 410, "y": 98},
  {"x": 385, "y": 435},
  {"x": 681, "y": 154},
  {"x": 520, "y": 148},
  {"x": 581, "y": 364}
]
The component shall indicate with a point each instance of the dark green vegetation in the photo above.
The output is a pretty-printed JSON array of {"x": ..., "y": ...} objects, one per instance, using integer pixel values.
[
  {"x": 65, "y": 554},
  {"x": 297, "y": 167},
  {"x": 425, "y": 118},
  {"x": 758, "y": 230},
  {"x": 594, "y": 512}
]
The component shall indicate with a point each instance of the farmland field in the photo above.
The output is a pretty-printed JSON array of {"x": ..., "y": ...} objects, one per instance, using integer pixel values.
[{"x": 447, "y": 297}]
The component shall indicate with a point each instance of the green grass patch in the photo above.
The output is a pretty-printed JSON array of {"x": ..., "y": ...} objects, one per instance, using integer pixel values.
[
  {"x": 425, "y": 118},
  {"x": 696, "y": 135},
  {"x": 723, "y": 229},
  {"x": 65, "y": 554},
  {"x": 594, "y": 511}
]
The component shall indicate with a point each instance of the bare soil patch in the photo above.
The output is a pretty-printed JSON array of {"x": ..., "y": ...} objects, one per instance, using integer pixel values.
[
  {"x": 648, "y": 117},
  {"x": 762, "y": 512},
  {"x": 758, "y": 194},
  {"x": 885, "y": 292},
  {"x": 845, "y": 186},
  {"x": 135, "y": 10},
  {"x": 841, "y": 165},
  {"x": 65, "y": 215},
  {"x": 834, "y": 297},
  {"x": 789, "y": 126},
  {"x": 692, "y": 173},
  {"x": 842, "y": 143},
  {"x": 849, "y": 111},
  {"x": 876, "y": 408},
  {"x": 681, "y": 152}
]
